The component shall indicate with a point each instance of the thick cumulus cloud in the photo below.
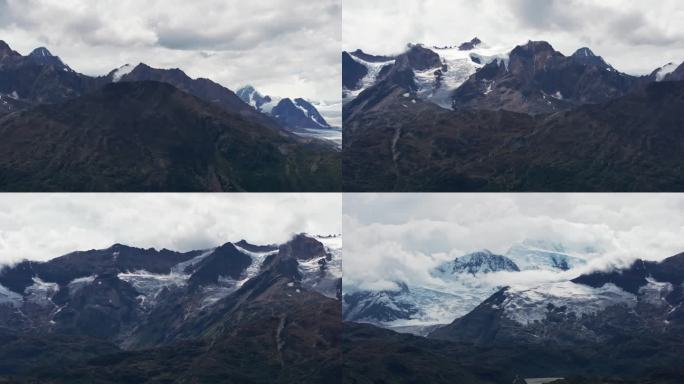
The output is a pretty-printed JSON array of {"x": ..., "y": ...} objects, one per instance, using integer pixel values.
[
  {"x": 634, "y": 36},
  {"x": 43, "y": 226},
  {"x": 402, "y": 237},
  {"x": 282, "y": 47}
]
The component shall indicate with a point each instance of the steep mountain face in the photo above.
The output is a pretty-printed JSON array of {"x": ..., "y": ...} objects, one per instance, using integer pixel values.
[
  {"x": 352, "y": 72},
  {"x": 225, "y": 262},
  {"x": 379, "y": 306},
  {"x": 632, "y": 143},
  {"x": 478, "y": 262},
  {"x": 431, "y": 73},
  {"x": 252, "y": 97},
  {"x": 42, "y": 55},
  {"x": 204, "y": 89},
  {"x": 361, "y": 71},
  {"x": 257, "y": 321},
  {"x": 151, "y": 136},
  {"x": 625, "y": 323},
  {"x": 297, "y": 114},
  {"x": 537, "y": 79},
  {"x": 7, "y": 51},
  {"x": 39, "y": 78}
]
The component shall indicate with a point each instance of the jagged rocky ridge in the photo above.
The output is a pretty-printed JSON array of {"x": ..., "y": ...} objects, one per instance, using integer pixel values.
[{"x": 214, "y": 312}]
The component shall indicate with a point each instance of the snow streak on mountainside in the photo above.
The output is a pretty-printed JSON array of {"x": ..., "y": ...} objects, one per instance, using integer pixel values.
[
  {"x": 373, "y": 69},
  {"x": 324, "y": 274},
  {"x": 527, "y": 305},
  {"x": 121, "y": 72},
  {"x": 458, "y": 65}
]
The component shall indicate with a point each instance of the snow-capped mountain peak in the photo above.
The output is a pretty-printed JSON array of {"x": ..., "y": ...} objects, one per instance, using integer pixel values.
[
  {"x": 41, "y": 52},
  {"x": 256, "y": 100},
  {"x": 585, "y": 52},
  {"x": 477, "y": 262},
  {"x": 297, "y": 114},
  {"x": 42, "y": 55},
  {"x": 437, "y": 71},
  {"x": 663, "y": 71},
  {"x": 120, "y": 72}
]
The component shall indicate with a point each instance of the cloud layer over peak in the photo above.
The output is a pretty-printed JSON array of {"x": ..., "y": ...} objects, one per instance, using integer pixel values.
[
  {"x": 402, "y": 237},
  {"x": 44, "y": 226}
]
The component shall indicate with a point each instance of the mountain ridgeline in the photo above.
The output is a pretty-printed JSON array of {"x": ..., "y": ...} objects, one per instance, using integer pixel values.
[
  {"x": 474, "y": 118},
  {"x": 145, "y": 129},
  {"x": 235, "y": 313}
]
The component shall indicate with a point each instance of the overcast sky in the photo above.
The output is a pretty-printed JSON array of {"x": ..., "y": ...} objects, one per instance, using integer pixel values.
[
  {"x": 282, "y": 47},
  {"x": 401, "y": 237},
  {"x": 44, "y": 226},
  {"x": 634, "y": 36}
]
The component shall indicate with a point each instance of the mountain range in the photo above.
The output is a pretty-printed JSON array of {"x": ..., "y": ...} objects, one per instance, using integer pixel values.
[
  {"x": 619, "y": 325},
  {"x": 239, "y": 312},
  {"x": 144, "y": 129},
  {"x": 295, "y": 114},
  {"x": 418, "y": 309},
  {"x": 475, "y": 118}
]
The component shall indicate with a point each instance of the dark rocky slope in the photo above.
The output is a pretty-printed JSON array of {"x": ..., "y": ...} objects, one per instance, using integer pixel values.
[
  {"x": 632, "y": 143},
  {"x": 150, "y": 136},
  {"x": 269, "y": 329}
]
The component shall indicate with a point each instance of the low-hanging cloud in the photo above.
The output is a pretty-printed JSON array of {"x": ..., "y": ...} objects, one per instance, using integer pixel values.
[
  {"x": 44, "y": 226},
  {"x": 402, "y": 237}
]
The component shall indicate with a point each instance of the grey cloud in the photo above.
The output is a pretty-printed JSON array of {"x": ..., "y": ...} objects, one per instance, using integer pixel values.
[
  {"x": 542, "y": 14},
  {"x": 285, "y": 47},
  {"x": 635, "y": 29},
  {"x": 41, "y": 227}
]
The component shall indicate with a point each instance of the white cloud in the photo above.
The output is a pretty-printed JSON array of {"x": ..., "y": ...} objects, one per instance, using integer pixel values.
[
  {"x": 402, "y": 237},
  {"x": 44, "y": 226},
  {"x": 282, "y": 47},
  {"x": 634, "y": 36}
]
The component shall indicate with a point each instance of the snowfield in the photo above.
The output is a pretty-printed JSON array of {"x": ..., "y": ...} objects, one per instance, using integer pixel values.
[
  {"x": 368, "y": 80},
  {"x": 527, "y": 305}
]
